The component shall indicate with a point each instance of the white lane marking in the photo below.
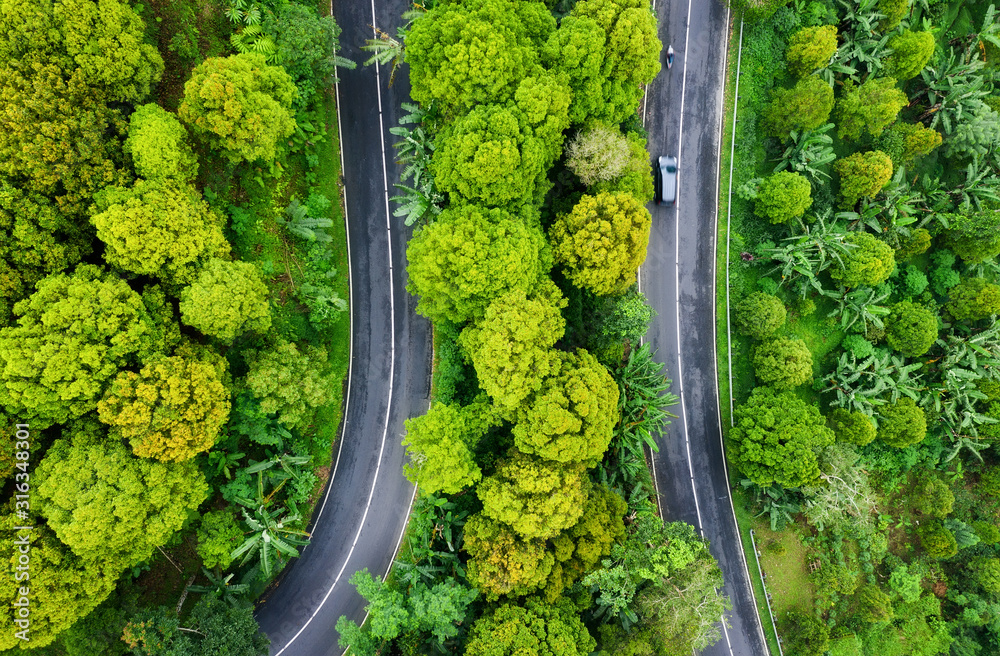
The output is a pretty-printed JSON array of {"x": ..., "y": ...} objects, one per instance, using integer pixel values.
[
  {"x": 392, "y": 351},
  {"x": 677, "y": 270}
]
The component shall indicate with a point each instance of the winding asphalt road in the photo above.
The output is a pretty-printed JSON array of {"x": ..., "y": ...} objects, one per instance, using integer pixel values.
[
  {"x": 683, "y": 115},
  {"x": 367, "y": 501}
]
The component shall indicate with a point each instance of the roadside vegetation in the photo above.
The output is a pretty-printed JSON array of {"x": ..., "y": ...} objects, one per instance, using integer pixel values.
[
  {"x": 173, "y": 326},
  {"x": 526, "y": 178},
  {"x": 864, "y": 287}
]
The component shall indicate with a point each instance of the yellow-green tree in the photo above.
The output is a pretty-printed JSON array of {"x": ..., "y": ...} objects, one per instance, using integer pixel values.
[
  {"x": 474, "y": 53},
  {"x": 580, "y": 548},
  {"x": 869, "y": 108},
  {"x": 783, "y": 196},
  {"x": 783, "y": 362},
  {"x": 101, "y": 41},
  {"x": 973, "y": 299},
  {"x": 537, "y": 627},
  {"x": 160, "y": 227},
  {"x": 57, "y": 137},
  {"x": 511, "y": 346},
  {"x": 158, "y": 144},
  {"x": 602, "y": 242},
  {"x": 902, "y": 424},
  {"x": 777, "y": 438},
  {"x": 240, "y": 105},
  {"x": 572, "y": 416},
  {"x": 911, "y": 329},
  {"x": 806, "y": 106},
  {"x": 289, "y": 381},
  {"x": 910, "y": 53},
  {"x": 39, "y": 239},
  {"x": 468, "y": 257},
  {"x": 498, "y": 155},
  {"x": 172, "y": 410},
  {"x": 72, "y": 337},
  {"x": 439, "y": 444},
  {"x": 63, "y": 587},
  {"x": 502, "y": 562},
  {"x": 811, "y": 48},
  {"x": 108, "y": 506},
  {"x": 870, "y": 262},
  {"x": 577, "y": 50},
  {"x": 536, "y": 498},
  {"x": 630, "y": 56},
  {"x": 226, "y": 300},
  {"x": 862, "y": 175}
]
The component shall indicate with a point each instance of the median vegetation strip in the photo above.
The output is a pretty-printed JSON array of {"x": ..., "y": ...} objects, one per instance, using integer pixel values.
[{"x": 862, "y": 266}]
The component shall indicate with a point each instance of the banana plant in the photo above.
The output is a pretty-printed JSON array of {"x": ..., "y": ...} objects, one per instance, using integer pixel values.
[
  {"x": 271, "y": 535},
  {"x": 802, "y": 257},
  {"x": 862, "y": 304},
  {"x": 874, "y": 381},
  {"x": 391, "y": 50},
  {"x": 221, "y": 587},
  {"x": 300, "y": 224},
  {"x": 862, "y": 47},
  {"x": 808, "y": 152}
]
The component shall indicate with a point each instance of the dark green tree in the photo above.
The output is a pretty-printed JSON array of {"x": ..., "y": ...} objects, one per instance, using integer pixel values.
[
  {"x": 937, "y": 540},
  {"x": 902, "y": 424},
  {"x": 805, "y": 634},
  {"x": 911, "y": 329},
  {"x": 783, "y": 362},
  {"x": 759, "y": 315}
]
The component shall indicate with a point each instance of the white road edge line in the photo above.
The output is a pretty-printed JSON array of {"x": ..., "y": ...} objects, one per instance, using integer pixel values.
[
  {"x": 392, "y": 351},
  {"x": 715, "y": 354}
]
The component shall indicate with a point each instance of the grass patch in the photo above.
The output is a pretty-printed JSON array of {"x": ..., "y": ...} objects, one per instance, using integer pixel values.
[
  {"x": 786, "y": 571},
  {"x": 745, "y": 521}
]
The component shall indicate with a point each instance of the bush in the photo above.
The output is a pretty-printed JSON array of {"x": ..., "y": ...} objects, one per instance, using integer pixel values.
[
  {"x": 905, "y": 583},
  {"x": 853, "y": 427},
  {"x": 910, "y": 53},
  {"x": 858, "y": 346},
  {"x": 933, "y": 497},
  {"x": 974, "y": 235},
  {"x": 869, "y": 108},
  {"x": 943, "y": 276},
  {"x": 916, "y": 244},
  {"x": 783, "y": 362},
  {"x": 914, "y": 280},
  {"x": 759, "y": 315},
  {"x": 305, "y": 43},
  {"x": 905, "y": 142},
  {"x": 218, "y": 535},
  {"x": 937, "y": 540},
  {"x": 757, "y": 11},
  {"x": 973, "y": 299},
  {"x": 989, "y": 483},
  {"x": 775, "y": 547},
  {"x": 902, "y": 423},
  {"x": 811, "y": 48},
  {"x": 874, "y": 605},
  {"x": 911, "y": 329},
  {"x": 862, "y": 175},
  {"x": 226, "y": 300},
  {"x": 783, "y": 196},
  {"x": 806, "y": 635},
  {"x": 806, "y": 106},
  {"x": 870, "y": 262}
]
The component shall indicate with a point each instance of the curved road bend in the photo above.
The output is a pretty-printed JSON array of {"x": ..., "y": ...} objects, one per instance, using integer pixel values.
[
  {"x": 683, "y": 115},
  {"x": 366, "y": 504}
]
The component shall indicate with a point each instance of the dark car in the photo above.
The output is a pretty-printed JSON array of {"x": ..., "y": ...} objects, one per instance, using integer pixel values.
[{"x": 667, "y": 179}]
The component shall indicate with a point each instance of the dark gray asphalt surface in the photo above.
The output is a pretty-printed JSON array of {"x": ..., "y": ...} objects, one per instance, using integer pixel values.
[
  {"x": 690, "y": 466},
  {"x": 367, "y": 500}
]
